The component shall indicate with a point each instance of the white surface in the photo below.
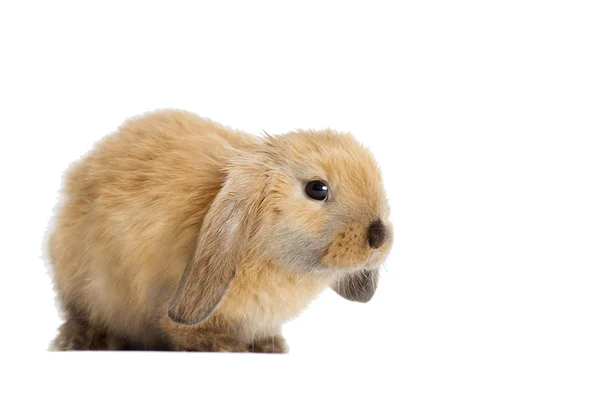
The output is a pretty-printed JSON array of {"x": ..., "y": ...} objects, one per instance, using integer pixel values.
[{"x": 484, "y": 117}]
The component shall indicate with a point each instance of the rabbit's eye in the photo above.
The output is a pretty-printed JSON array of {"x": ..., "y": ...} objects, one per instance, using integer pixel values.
[{"x": 317, "y": 190}]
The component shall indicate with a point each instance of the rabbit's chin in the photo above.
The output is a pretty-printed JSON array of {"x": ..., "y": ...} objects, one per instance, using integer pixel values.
[
  {"x": 320, "y": 268},
  {"x": 306, "y": 261},
  {"x": 302, "y": 258}
]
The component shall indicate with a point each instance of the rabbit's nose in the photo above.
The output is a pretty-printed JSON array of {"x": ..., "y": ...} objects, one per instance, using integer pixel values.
[{"x": 376, "y": 234}]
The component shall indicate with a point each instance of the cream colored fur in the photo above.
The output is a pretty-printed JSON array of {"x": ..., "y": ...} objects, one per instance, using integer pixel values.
[{"x": 135, "y": 208}]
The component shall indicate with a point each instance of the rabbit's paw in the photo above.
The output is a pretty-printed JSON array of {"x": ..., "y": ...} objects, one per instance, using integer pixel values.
[{"x": 273, "y": 344}]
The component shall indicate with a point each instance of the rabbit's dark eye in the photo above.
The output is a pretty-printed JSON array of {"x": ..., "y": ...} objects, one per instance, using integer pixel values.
[{"x": 317, "y": 190}]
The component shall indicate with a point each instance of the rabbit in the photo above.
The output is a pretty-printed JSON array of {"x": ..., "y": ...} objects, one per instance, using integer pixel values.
[{"x": 178, "y": 233}]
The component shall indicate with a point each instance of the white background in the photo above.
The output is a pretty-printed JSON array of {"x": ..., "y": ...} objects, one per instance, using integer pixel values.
[{"x": 485, "y": 118}]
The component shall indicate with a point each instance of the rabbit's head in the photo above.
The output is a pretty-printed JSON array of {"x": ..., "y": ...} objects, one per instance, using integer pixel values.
[{"x": 310, "y": 201}]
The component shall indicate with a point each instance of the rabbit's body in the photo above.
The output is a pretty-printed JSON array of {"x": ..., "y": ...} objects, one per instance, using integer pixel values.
[{"x": 128, "y": 229}]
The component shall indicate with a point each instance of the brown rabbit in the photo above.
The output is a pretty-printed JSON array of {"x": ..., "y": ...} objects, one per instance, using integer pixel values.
[{"x": 177, "y": 233}]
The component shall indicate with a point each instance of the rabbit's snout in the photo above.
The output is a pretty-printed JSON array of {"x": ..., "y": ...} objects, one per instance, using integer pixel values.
[{"x": 354, "y": 245}]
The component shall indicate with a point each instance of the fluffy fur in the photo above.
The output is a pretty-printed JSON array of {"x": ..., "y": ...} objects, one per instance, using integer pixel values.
[{"x": 179, "y": 233}]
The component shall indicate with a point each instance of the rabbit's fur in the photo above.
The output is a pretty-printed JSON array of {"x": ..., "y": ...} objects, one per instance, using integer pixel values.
[{"x": 179, "y": 233}]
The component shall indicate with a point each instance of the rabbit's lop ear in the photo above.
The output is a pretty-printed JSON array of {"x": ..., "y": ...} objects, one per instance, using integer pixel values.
[
  {"x": 359, "y": 286},
  {"x": 223, "y": 236}
]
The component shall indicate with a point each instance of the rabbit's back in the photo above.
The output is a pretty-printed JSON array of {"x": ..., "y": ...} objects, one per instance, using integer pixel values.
[{"x": 130, "y": 216}]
